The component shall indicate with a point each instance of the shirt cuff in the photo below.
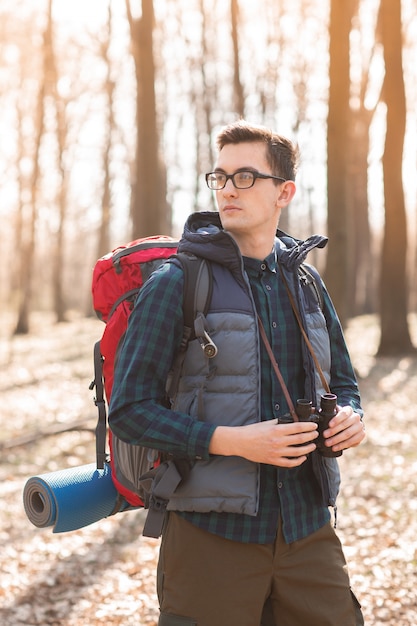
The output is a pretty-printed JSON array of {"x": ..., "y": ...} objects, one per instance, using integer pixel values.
[{"x": 198, "y": 441}]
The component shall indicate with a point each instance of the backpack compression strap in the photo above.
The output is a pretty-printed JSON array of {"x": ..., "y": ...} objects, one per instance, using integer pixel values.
[{"x": 101, "y": 428}]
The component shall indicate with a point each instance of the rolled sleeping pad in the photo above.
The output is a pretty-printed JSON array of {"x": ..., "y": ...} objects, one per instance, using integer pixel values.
[{"x": 71, "y": 498}]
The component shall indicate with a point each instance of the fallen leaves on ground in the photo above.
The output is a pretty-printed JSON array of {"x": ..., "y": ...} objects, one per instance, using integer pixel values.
[{"x": 105, "y": 573}]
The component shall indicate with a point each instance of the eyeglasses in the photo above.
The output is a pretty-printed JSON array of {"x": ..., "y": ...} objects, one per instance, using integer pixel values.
[{"x": 244, "y": 179}]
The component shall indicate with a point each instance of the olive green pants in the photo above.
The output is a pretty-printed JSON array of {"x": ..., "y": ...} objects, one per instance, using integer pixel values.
[{"x": 205, "y": 580}]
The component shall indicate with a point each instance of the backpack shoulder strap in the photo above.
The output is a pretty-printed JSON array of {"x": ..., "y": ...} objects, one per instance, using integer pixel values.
[
  {"x": 198, "y": 286},
  {"x": 196, "y": 299},
  {"x": 310, "y": 276}
]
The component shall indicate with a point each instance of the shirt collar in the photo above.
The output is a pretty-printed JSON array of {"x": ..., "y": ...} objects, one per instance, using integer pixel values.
[{"x": 258, "y": 267}]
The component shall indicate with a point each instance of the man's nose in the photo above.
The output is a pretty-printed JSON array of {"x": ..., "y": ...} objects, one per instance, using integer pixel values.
[{"x": 229, "y": 188}]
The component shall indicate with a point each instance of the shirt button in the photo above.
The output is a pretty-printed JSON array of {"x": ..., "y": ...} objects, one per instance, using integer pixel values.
[
  {"x": 280, "y": 485},
  {"x": 274, "y": 324},
  {"x": 263, "y": 266},
  {"x": 268, "y": 287},
  {"x": 276, "y": 406}
]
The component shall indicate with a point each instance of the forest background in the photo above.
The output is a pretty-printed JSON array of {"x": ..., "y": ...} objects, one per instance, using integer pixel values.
[
  {"x": 107, "y": 119},
  {"x": 108, "y": 114}
]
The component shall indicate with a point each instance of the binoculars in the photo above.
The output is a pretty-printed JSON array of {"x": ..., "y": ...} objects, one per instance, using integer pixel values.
[{"x": 322, "y": 417}]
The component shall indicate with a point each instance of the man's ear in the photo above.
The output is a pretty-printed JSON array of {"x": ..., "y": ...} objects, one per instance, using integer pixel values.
[{"x": 286, "y": 193}]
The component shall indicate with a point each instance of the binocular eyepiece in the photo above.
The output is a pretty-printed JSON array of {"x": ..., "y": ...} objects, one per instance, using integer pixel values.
[{"x": 322, "y": 416}]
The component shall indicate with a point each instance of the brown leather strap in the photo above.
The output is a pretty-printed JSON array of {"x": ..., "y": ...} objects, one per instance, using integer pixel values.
[
  {"x": 303, "y": 332},
  {"x": 277, "y": 371}
]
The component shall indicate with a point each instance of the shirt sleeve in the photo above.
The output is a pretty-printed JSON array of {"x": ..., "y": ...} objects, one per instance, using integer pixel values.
[
  {"x": 343, "y": 381},
  {"x": 138, "y": 412}
]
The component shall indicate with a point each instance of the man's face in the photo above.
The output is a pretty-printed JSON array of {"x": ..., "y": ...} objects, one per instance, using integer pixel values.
[{"x": 247, "y": 211}]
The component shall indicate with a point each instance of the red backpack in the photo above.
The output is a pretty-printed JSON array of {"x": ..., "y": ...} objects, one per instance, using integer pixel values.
[{"x": 117, "y": 280}]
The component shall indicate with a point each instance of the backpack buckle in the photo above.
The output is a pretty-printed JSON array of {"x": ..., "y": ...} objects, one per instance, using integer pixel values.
[{"x": 208, "y": 346}]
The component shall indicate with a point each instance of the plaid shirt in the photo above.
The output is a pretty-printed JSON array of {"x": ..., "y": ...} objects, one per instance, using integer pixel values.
[{"x": 137, "y": 413}]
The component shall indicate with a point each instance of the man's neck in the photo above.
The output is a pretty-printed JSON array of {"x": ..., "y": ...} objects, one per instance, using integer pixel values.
[{"x": 254, "y": 247}]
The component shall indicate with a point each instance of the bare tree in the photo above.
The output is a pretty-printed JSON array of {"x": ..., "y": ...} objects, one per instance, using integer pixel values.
[
  {"x": 51, "y": 89},
  {"x": 362, "y": 267},
  {"x": 149, "y": 210},
  {"x": 26, "y": 257},
  {"x": 204, "y": 103},
  {"x": 238, "y": 95},
  {"x": 395, "y": 336},
  {"x": 109, "y": 86},
  {"x": 337, "y": 270},
  {"x": 363, "y": 271}
]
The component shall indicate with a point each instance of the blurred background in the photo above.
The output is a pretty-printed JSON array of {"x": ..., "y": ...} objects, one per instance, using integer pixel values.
[
  {"x": 108, "y": 114},
  {"x": 108, "y": 110}
]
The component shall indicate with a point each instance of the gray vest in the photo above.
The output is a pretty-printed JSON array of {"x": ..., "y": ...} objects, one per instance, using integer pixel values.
[{"x": 225, "y": 390}]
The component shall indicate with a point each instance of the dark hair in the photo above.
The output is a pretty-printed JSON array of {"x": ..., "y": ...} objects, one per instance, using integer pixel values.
[{"x": 281, "y": 153}]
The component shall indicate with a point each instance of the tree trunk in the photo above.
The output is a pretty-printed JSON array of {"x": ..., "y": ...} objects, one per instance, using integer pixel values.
[
  {"x": 363, "y": 270},
  {"x": 149, "y": 210},
  {"x": 238, "y": 96},
  {"x": 395, "y": 336},
  {"x": 204, "y": 100},
  {"x": 362, "y": 266},
  {"x": 27, "y": 251},
  {"x": 103, "y": 245},
  {"x": 337, "y": 270},
  {"x": 51, "y": 88}
]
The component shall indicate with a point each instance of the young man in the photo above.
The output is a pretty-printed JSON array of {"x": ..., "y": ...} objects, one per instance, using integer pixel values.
[{"x": 250, "y": 526}]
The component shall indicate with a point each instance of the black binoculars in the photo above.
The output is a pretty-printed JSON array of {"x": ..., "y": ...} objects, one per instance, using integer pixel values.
[{"x": 322, "y": 417}]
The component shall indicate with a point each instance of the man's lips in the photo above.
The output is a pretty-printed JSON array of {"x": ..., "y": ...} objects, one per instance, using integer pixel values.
[{"x": 230, "y": 207}]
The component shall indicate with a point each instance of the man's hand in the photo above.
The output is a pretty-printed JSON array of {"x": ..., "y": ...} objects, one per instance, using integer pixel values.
[
  {"x": 346, "y": 430},
  {"x": 266, "y": 442}
]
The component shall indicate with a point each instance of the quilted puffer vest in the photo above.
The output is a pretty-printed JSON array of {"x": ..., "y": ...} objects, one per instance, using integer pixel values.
[{"x": 225, "y": 389}]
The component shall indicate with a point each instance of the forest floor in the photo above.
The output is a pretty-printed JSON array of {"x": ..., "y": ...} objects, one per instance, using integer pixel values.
[{"x": 105, "y": 573}]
